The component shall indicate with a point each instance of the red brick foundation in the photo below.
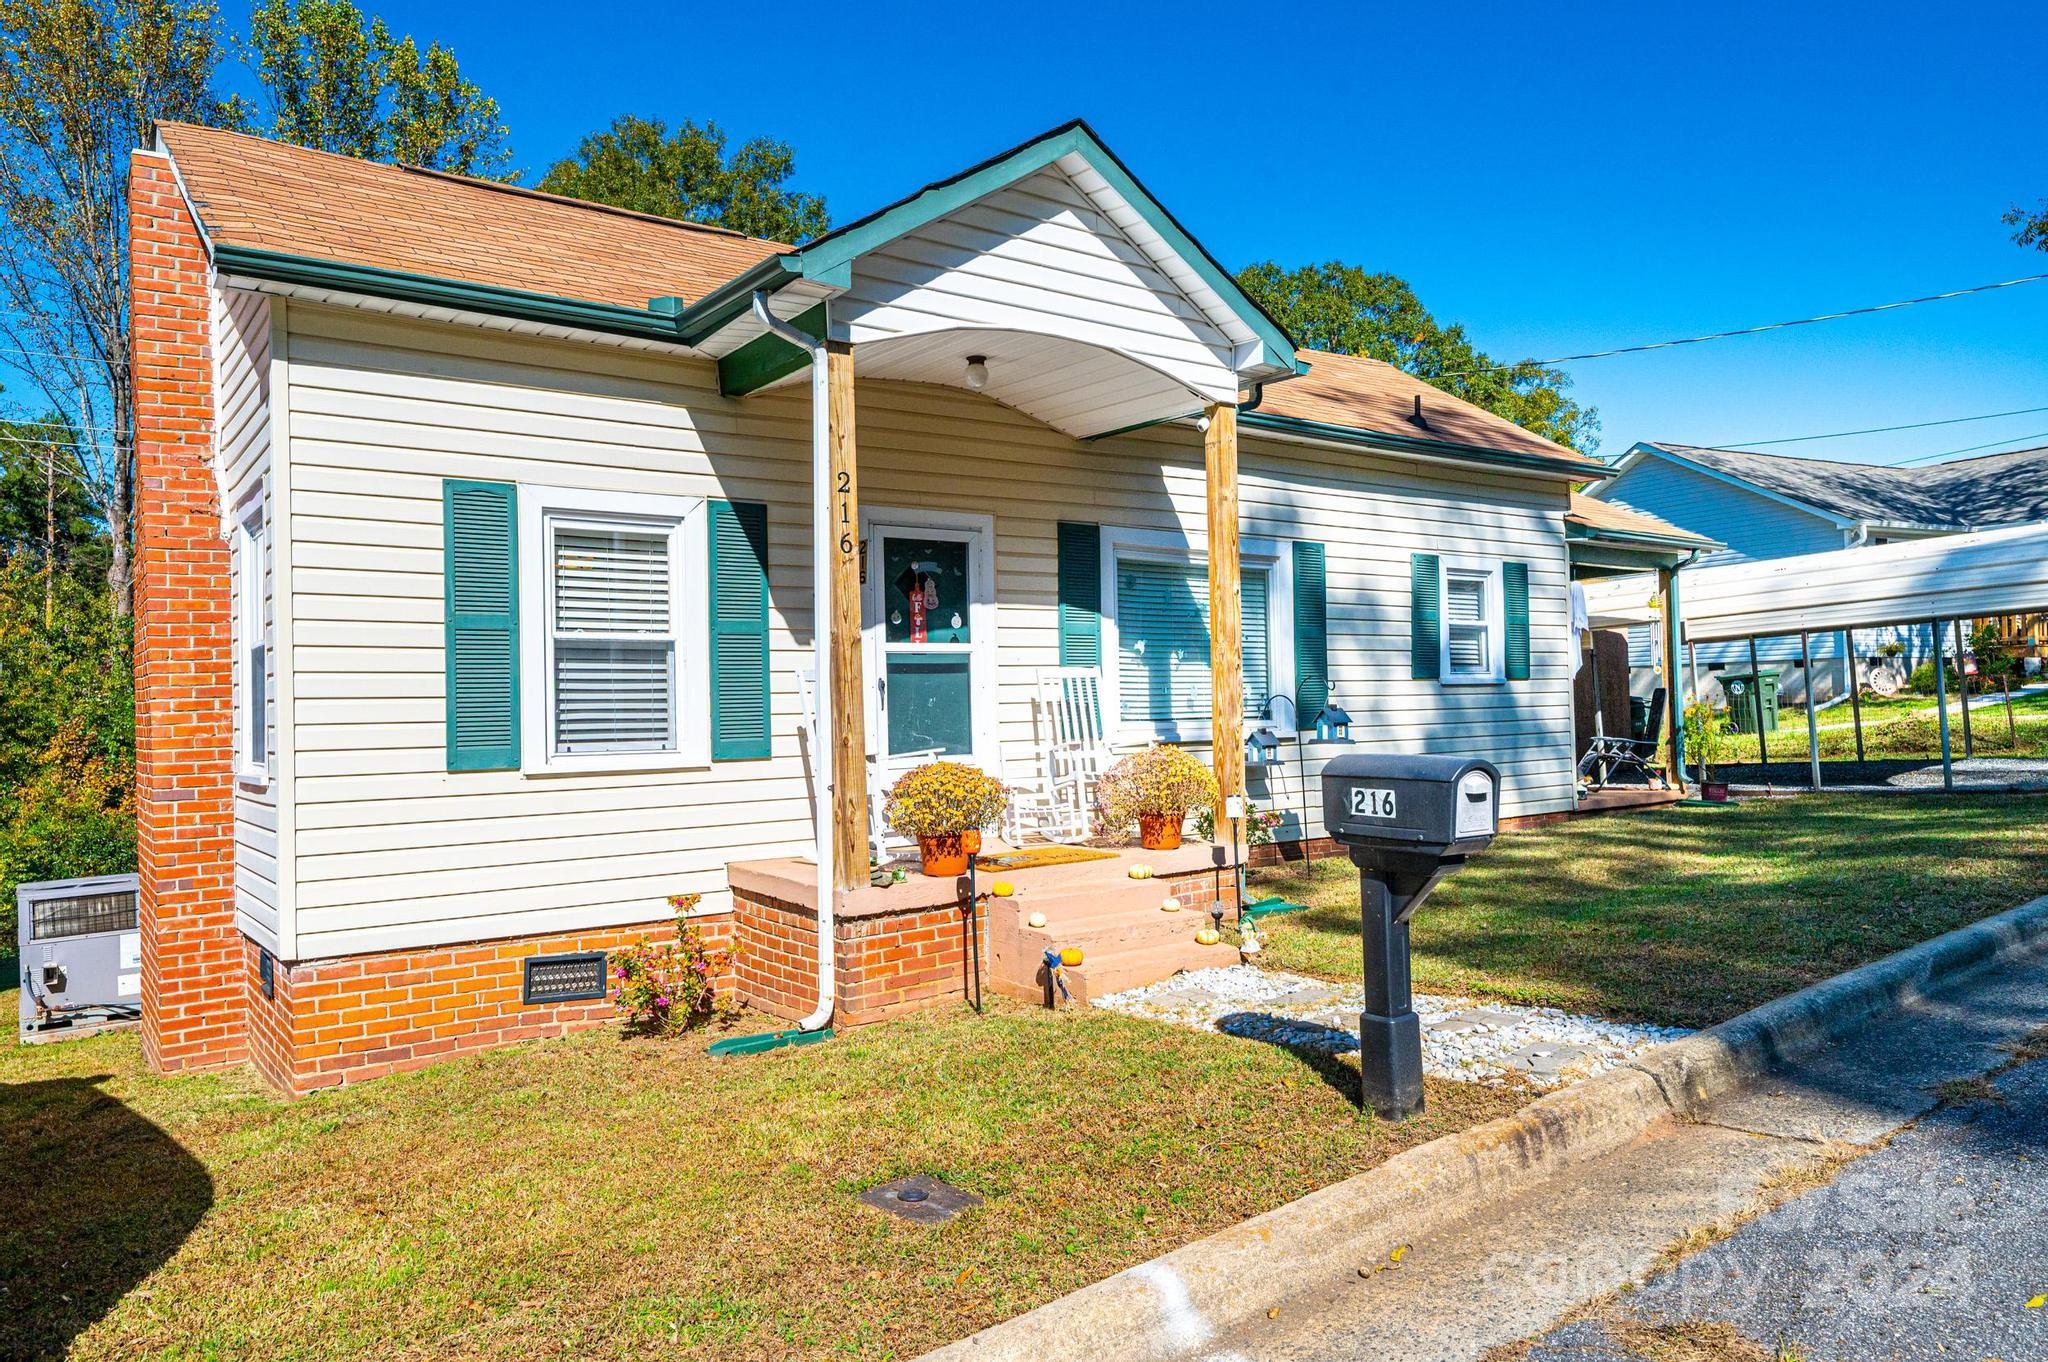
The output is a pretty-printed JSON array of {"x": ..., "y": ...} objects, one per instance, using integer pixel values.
[
  {"x": 364, "y": 1016},
  {"x": 192, "y": 955},
  {"x": 889, "y": 959},
  {"x": 887, "y": 962}
]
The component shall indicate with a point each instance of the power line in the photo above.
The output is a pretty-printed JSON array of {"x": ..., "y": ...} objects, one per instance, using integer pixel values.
[
  {"x": 1878, "y": 430},
  {"x": 1754, "y": 330},
  {"x": 2021, "y": 440}
]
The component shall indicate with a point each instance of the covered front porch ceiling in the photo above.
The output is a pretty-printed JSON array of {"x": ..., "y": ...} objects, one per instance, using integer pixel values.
[{"x": 1086, "y": 303}]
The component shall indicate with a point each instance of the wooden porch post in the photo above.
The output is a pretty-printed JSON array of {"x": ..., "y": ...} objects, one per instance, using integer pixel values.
[
  {"x": 842, "y": 616},
  {"x": 1226, "y": 606}
]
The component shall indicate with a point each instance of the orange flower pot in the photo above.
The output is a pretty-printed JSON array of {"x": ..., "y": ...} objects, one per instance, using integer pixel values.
[
  {"x": 1160, "y": 831},
  {"x": 943, "y": 855}
]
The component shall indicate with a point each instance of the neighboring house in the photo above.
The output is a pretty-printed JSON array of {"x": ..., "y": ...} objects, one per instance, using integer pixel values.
[
  {"x": 1770, "y": 506},
  {"x": 477, "y": 587}
]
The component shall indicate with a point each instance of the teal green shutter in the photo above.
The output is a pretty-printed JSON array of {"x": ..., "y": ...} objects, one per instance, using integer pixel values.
[
  {"x": 481, "y": 567},
  {"x": 739, "y": 631},
  {"x": 1514, "y": 590},
  {"x": 1080, "y": 585},
  {"x": 1311, "y": 631},
  {"x": 1425, "y": 612}
]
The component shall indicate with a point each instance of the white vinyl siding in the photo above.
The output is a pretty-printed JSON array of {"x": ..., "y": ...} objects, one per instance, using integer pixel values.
[
  {"x": 242, "y": 418},
  {"x": 393, "y": 851}
]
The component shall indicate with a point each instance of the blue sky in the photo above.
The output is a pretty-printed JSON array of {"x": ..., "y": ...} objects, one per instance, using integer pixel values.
[{"x": 1560, "y": 178}]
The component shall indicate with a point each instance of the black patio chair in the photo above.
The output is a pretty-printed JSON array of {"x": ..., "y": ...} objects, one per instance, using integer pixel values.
[{"x": 1610, "y": 756}]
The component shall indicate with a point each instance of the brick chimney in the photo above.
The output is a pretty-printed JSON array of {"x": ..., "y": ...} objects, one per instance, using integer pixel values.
[{"x": 193, "y": 959}]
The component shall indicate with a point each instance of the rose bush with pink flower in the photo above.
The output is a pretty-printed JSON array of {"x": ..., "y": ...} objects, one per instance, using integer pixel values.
[{"x": 664, "y": 986}]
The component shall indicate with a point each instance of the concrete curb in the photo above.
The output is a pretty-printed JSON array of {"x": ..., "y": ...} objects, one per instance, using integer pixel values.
[{"x": 1173, "y": 1305}]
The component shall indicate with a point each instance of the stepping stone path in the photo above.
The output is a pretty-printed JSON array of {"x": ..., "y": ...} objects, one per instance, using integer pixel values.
[{"x": 1462, "y": 1039}]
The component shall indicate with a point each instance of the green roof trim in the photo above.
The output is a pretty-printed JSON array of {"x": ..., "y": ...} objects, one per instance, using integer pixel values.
[
  {"x": 1445, "y": 449},
  {"x": 768, "y": 357},
  {"x": 1597, "y": 534},
  {"x": 829, "y": 259},
  {"x": 433, "y": 291}
]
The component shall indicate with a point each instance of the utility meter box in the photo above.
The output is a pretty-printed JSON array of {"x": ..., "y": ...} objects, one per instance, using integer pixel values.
[
  {"x": 1416, "y": 807},
  {"x": 81, "y": 956}
]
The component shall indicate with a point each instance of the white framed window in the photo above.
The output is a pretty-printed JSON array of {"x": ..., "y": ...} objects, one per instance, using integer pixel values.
[
  {"x": 252, "y": 651},
  {"x": 1475, "y": 632},
  {"x": 614, "y": 632},
  {"x": 1156, "y": 682}
]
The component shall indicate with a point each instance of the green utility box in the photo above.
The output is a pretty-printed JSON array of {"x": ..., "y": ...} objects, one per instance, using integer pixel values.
[{"x": 1752, "y": 695}]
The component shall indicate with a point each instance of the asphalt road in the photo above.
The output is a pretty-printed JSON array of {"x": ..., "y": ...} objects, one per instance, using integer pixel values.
[{"x": 1929, "y": 1248}]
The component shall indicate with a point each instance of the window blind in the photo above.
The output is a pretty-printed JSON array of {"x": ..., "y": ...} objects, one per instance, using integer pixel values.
[
  {"x": 1163, "y": 642},
  {"x": 1465, "y": 619},
  {"x": 615, "y": 676}
]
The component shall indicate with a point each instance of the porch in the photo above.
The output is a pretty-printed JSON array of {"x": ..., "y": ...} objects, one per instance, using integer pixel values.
[{"x": 902, "y": 946}]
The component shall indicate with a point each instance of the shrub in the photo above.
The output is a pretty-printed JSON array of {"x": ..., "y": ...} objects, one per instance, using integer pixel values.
[
  {"x": 1159, "y": 780},
  {"x": 941, "y": 798},
  {"x": 1706, "y": 734},
  {"x": 1921, "y": 680},
  {"x": 664, "y": 986}
]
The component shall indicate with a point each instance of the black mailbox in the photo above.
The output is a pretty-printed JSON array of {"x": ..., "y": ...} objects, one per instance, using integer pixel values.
[
  {"x": 1435, "y": 807},
  {"x": 1407, "y": 821}
]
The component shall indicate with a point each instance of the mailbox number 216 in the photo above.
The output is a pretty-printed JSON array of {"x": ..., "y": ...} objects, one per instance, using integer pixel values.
[{"x": 1368, "y": 803}]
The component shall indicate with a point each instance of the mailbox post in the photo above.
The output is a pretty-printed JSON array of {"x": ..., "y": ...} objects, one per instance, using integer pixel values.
[{"x": 1407, "y": 821}]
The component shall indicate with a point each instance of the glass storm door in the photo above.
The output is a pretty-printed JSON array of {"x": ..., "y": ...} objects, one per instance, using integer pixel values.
[{"x": 927, "y": 607}]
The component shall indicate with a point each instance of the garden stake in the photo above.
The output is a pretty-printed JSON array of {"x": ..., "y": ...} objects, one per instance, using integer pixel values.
[{"x": 970, "y": 942}]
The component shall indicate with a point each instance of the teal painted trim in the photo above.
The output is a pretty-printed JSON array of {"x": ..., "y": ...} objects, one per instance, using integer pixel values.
[
  {"x": 1354, "y": 435},
  {"x": 1616, "y": 558},
  {"x": 1514, "y": 590},
  {"x": 1138, "y": 426},
  {"x": 740, "y": 712},
  {"x": 1685, "y": 543},
  {"x": 768, "y": 357},
  {"x": 470, "y": 689},
  {"x": 1252, "y": 912},
  {"x": 437, "y": 292},
  {"x": 729, "y": 300},
  {"x": 829, "y": 259},
  {"x": 1311, "y": 628},
  {"x": 1425, "y": 617},
  {"x": 767, "y": 1040}
]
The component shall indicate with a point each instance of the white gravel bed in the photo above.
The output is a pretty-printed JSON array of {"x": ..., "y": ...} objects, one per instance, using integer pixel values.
[{"x": 1462, "y": 1038}]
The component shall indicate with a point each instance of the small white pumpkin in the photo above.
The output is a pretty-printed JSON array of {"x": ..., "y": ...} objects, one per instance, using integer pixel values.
[
  {"x": 1140, "y": 872},
  {"x": 1035, "y": 920},
  {"x": 1169, "y": 904},
  {"x": 1208, "y": 936}
]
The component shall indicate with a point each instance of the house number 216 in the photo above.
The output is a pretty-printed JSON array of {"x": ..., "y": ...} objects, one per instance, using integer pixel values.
[
  {"x": 845, "y": 511},
  {"x": 1367, "y": 803}
]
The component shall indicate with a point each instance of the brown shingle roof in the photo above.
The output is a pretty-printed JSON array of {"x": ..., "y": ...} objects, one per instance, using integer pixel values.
[
  {"x": 253, "y": 192},
  {"x": 1369, "y": 394},
  {"x": 1605, "y": 515}
]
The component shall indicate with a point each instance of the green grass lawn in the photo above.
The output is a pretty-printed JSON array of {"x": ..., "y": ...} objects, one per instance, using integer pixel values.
[
  {"x": 616, "y": 1198},
  {"x": 1687, "y": 915},
  {"x": 1907, "y": 726}
]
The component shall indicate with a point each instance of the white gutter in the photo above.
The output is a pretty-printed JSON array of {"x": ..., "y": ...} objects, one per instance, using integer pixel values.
[{"x": 821, "y": 643}]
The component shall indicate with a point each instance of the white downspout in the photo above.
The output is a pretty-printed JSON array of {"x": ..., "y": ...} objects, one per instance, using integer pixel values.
[{"x": 821, "y": 644}]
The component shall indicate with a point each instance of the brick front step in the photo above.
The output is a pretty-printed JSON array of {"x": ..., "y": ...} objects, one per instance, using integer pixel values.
[{"x": 1125, "y": 939}]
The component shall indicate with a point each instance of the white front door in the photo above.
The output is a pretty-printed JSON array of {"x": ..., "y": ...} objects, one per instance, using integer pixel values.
[{"x": 928, "y": 625}]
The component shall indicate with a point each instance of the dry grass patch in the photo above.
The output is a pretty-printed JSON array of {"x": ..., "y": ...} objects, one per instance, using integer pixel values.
[
  {"x": 1687, "y": 916},
  {"x": 599, "y": 1197}
]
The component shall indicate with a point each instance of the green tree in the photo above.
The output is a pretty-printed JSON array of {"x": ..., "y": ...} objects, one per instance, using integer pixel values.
[
  {"x": 2029, "y": 229},
  {"x": 638, "y": 163},
  {"x": 335, "y": 79},
  {"x": 1344, "y": 309},
  {"x": 83, "y": 83}
]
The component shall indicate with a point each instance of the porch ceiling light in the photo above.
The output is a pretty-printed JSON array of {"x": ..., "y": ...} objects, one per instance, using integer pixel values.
[{"x": 977, "y": 372}]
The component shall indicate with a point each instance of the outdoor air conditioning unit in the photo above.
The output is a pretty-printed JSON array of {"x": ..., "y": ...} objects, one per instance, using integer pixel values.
[{"x": 81, "y": 956}]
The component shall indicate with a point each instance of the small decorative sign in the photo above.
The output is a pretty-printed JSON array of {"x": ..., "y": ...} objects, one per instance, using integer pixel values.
[{"x": 577, "y": 978}]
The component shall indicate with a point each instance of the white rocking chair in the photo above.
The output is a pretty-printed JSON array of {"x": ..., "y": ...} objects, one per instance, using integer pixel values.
[{"x": 1068, "y": 716}]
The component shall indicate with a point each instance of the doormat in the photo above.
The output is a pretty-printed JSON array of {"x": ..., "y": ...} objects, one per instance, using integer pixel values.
[{"x": 1038, "y": 856}]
